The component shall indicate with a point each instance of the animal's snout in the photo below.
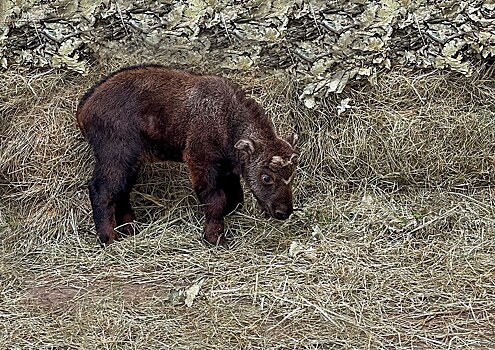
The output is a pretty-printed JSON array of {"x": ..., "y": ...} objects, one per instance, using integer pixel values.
[{"x": 282, "y": 213}]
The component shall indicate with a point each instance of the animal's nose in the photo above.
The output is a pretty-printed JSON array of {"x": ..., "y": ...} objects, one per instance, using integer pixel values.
[{"x": 281, "y": 214}]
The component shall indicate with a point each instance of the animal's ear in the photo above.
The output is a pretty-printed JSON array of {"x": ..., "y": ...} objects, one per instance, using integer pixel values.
[
  {"x": 246, "y": 145},
  {"x": 292, "y": 139}
]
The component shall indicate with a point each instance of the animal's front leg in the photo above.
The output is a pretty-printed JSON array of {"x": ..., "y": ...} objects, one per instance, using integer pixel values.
[
  {"x": 214, "y": 207},
  {"x": 214, "y": 202},
  {"x": 206, "y": 182}
]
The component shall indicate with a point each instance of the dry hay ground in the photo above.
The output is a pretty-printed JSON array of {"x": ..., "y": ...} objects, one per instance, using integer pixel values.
[{"x": 392, "y": 245}]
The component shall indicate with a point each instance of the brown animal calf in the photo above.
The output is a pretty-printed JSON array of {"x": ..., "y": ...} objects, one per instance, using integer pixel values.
[{"x": 151, "y": 113}]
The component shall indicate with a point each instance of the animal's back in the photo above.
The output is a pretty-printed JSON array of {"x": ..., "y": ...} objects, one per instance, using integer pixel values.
[
  {"x": 146, "y": 104},
  {"x": 131, "y": 92}
]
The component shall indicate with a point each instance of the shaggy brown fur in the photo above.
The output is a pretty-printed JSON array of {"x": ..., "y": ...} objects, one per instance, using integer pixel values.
[{"x": 151, "y": 113}]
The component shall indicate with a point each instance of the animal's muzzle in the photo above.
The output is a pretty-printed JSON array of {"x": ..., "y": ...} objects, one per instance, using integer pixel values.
[
  {"x": 277, "y": 211},
  {"x": 281, "y": 212},
  {"x": 281, "y": 215}
]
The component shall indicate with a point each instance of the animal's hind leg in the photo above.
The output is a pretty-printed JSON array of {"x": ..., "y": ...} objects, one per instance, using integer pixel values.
[
  {"x": 109, "y": 194},
  {"x": 124, "y": 214},
  {"x": 103, "y": 207}
]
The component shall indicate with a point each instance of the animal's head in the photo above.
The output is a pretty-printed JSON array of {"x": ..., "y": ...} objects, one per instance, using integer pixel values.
[{"x": 268, "y": 168}]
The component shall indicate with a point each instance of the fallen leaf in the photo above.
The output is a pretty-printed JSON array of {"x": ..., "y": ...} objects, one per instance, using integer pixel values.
[
  {"x": 298, "y": 249},
  {"x": 344, "y": 105},
  {"x": 192, "y": 292}
]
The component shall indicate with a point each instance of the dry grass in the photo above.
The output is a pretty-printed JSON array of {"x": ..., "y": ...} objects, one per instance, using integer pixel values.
[{"x": 393, "y": 245}]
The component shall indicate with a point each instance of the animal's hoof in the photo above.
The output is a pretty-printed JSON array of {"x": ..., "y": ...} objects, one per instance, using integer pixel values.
[
  {"x": 128, "y": 229},
  {"x": 106, "y": 239},
  {"x": 213, "y": 234},
  {"x": 219, "y": 241}
]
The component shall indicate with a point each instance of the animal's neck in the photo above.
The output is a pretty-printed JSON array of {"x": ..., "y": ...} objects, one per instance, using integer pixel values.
[
  {"x": 251, "y": 123},
  {"x": 255, "y": 126}
]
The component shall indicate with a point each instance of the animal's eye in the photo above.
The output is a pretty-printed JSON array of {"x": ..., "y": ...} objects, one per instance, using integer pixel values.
[{"x": 266, "y": 179}]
